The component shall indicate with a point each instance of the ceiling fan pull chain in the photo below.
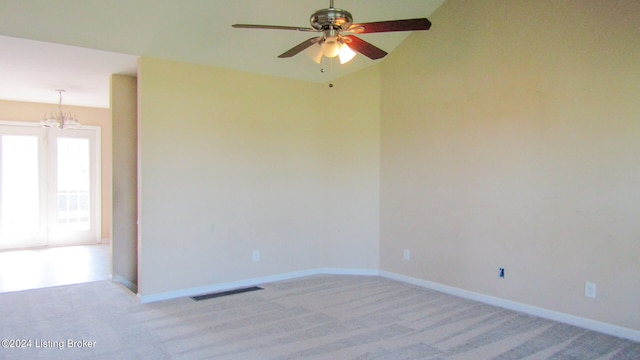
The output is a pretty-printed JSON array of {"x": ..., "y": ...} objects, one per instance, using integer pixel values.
[{"x": 331, "y": 66}]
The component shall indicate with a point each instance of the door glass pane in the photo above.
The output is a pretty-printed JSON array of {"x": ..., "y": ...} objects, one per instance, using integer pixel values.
[
  {"x": 20, "y": 189},
  {"x": 73, "y": 208}
]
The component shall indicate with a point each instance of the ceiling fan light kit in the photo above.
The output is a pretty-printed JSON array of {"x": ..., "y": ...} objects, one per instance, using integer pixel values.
[{"x": 338, "y": 34}]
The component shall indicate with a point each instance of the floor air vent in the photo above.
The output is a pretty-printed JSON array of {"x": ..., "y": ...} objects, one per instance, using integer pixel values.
[{"x": 225, "y": 293}]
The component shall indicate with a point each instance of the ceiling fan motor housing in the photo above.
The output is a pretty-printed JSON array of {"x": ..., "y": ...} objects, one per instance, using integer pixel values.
[{"x": 331, "y": 19}]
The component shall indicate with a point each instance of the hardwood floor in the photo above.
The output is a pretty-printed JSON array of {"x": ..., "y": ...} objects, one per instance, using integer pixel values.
[{"x": 39, "y": 268}]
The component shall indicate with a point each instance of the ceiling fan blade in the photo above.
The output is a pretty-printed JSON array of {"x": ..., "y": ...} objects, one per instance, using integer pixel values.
[
  {"x": 271, "y": 27},
  {"x": 393, "y": 25},
  {"x": 365, "y": 48},
  {"x": 298, "y": 48}
]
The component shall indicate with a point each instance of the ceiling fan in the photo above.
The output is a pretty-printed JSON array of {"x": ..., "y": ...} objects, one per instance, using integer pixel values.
[{"x": 338, "y": 34}]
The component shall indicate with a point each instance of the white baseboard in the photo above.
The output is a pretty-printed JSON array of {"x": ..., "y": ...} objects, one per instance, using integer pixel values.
[
  {"x": 585, "y": 323},
  {"x": 250, "y": 282},
  {"x": 343, "y": 271}
]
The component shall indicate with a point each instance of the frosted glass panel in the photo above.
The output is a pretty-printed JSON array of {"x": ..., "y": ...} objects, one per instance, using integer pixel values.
[
  {"x": 20, "y": 189},
  {"x": 74, "y": 184}
]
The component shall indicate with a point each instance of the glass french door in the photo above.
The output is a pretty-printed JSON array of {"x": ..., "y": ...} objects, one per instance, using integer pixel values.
[
  {"x": 49, "y": 187},
  {"x": 22, "y": 208}
]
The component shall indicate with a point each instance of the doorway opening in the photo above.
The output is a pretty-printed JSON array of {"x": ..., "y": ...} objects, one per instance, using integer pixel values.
[{"x": 49, "y": 199}]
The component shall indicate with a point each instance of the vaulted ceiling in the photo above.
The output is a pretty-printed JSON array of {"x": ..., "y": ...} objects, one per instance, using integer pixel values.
[{"x": 76, "y": 45}]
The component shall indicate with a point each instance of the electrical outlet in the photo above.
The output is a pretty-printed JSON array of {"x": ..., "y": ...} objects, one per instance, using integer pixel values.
[
  {"x": 406, "y": 254},
  {"x": 501, "y": 272},
  {"x": 256, "y": 255},
  {"x": 590, "y": 289}
]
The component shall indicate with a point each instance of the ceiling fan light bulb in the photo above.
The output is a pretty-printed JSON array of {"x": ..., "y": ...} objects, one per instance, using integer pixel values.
[
  {"x": 346, "y": 54},
  {"x": 331, "y": 47},
  {"x": 315, "y": 53}
]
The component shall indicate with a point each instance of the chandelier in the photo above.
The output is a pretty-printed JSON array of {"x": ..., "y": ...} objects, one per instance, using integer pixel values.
[{"x": 59, "y": 119}]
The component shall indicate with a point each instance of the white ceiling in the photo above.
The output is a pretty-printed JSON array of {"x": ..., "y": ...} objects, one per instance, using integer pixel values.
[{"x": 75, "y": 45}]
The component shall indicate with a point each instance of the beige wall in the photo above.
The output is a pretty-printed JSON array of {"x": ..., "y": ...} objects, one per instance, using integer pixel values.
[
  {"x": 231, "y": 162},
  {"x": 33, "y": 112},
  {"x": 511, "y": 138},
  {"x": 124, "y": 240}
]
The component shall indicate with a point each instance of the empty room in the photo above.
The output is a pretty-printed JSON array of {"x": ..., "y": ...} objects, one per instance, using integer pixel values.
[{"x": 319, "y": 179}]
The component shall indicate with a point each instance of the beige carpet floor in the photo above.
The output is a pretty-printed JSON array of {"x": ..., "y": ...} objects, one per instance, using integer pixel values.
[{"x": 317, "y": 317}]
